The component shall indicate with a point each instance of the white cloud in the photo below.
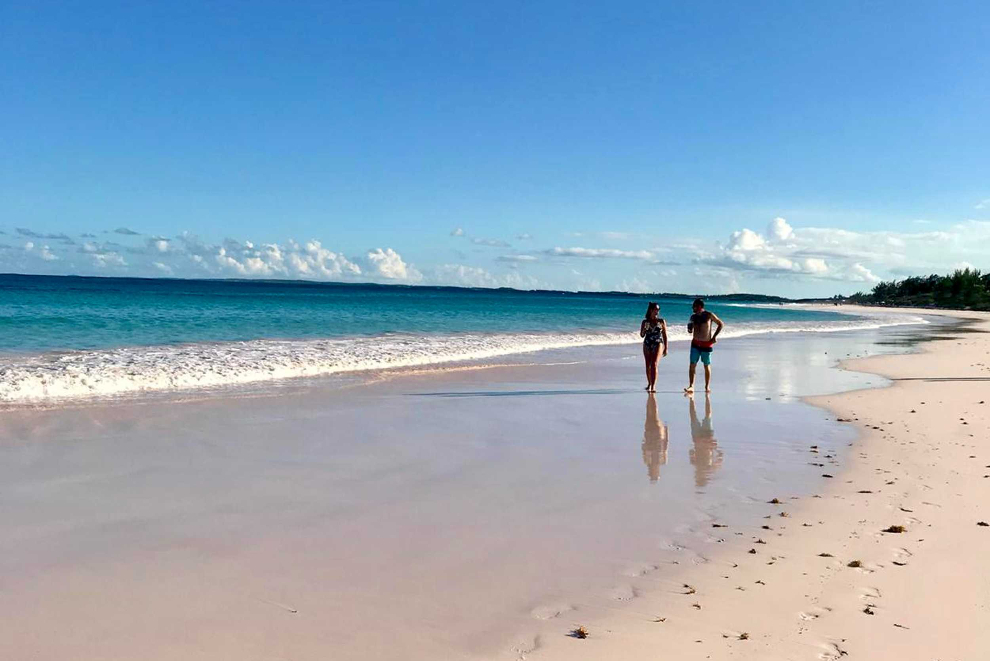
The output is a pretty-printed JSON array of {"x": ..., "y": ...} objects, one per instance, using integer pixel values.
[
  {"x": 44, "y": 252},
  {"x": 164, "y": 268},
  {"x": 517, "y": 258},
  {"x": 457, "y": 231},
  {"x": 829, "y": 253},
  {"x": 983, "y": 204},
  {"x": 108, "y": 259},
  {"x": 524, "y": 236},
  {"x": 779, "y": 230},
  {"x": 491, "y": 243},
  {"x": 600, "y": 253},
  {"x": 389, "y": 264},
  {"x": 461, "y": 275}
]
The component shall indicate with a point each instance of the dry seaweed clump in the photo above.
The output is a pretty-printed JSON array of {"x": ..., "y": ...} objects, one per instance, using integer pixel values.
[
  {"x": 774, "y": 501},
  {"x": 580, "y": 632},
  {"x": 854, "y": 564},
  {"x": 895, "y": 529}
]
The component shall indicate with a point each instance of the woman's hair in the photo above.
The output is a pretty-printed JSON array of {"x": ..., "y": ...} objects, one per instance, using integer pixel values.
[{"x": 652, "y": 306}]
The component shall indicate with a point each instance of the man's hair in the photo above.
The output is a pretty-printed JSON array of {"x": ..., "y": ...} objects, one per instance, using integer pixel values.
[{"x": 699, "y": 301}]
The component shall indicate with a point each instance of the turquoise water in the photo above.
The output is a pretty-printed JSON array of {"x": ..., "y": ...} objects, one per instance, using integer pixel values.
[
  {"x": 47, "y": 313},
  {"x": 67, "y": 337}
]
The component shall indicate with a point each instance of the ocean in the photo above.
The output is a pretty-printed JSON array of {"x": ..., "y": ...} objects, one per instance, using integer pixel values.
[{"x": 66, "y": 338}]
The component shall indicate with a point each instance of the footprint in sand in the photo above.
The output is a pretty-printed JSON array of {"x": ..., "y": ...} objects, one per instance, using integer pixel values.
[
  {"x": 901, "y": 555},
  {"x": 623, "y": 593},
  {"x": 642, "y": 569},
  {"x": 813, "y": 613},
  {"x": 524, "y": 647},
  {"x": 551, "y": 611},
  {"x": 671, "y": 546},
  {"x": 831, "y": 652},
  {"x": 870, "y": 593}
]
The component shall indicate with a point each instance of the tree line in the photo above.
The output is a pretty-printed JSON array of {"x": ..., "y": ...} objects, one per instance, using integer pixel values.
[{"x": 965, "y": 288}]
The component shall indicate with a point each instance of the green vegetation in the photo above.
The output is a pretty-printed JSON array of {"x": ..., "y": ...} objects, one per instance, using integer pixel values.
[{"x": 964, "y": 289}]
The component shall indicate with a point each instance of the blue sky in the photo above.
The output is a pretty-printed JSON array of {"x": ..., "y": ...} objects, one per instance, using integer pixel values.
[{"x": 778, "y": 147}]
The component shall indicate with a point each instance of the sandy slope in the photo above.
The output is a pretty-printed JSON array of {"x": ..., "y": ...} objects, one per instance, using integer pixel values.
[{"x": 922, "y": 462}]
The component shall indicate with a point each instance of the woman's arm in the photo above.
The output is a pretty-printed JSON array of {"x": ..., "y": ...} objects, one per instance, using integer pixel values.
[
  {"x": 642, "y": 328},
  {"x": 663, "y": 333}
]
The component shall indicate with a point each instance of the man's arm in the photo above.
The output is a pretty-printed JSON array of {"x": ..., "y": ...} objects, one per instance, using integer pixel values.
[{"x": 718, "y": 323}]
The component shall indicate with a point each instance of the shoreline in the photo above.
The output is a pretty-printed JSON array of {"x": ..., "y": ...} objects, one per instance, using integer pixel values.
[{"x": 828, "y": 581}]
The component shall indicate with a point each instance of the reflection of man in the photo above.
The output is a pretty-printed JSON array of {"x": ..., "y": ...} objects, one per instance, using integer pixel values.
[
  {"x": 705, "y": 455},
  {"x": 654, "y": 440}
]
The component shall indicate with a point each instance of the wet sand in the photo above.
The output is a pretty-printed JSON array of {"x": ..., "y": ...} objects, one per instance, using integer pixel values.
[
  {"x": 887, "y": 559},
  {"x": 467, "y": 514}
]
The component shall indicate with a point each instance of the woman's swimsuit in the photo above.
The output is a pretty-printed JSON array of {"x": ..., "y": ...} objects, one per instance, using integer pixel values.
[{"x": 654, "y": 336}]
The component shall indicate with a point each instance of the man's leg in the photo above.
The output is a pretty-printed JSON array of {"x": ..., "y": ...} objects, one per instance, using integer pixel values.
[
  {"x": 707, "y": 360},
  {"x": 691, "y": 370}
]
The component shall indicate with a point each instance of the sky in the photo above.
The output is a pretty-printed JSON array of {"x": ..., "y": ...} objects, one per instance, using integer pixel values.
[{"x": 793, "y": 148}]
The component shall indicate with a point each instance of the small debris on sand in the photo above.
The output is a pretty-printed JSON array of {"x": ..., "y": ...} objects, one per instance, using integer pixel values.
[
  {"x": 744, "y": 636},
  {"x": 895, "y": 529},
  {"x": 869, "y": 610},
  {"x": 982, "y": 523},
  {"x": 580, "y": 632},
  {"x": 825, "y": 555},
  {"x": 854, "y": 564},
  {"x": 753, "y": 551},
  {"x": 774, "y": 501}
]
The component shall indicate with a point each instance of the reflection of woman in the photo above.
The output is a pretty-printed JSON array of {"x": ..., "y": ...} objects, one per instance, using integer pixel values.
[
  {"x": 705, "y": 455},
  {"x": 653, "y": 330},
  {"x": 654, "y": 440}
]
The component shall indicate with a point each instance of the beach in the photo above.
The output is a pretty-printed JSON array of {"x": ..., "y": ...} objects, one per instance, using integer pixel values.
[{"x": 488, "y": 511}]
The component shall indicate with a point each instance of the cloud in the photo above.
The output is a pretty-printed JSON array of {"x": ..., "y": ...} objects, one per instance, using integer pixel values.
[
  {"x": 491, "y": 243},
  {"x": 164, "y": 268},
  {"x": 524, "y": 237},
  {"x": 829, "y": 253},
  {"x": 461, "y": 275},
  {"x": 44, "y": 252},
  {"x": 983, "y": 204},
  {"x": 517, "y": 258},
  {"x": 64, "y": 238},
  {"x": 457, "y": 231},
  {"x": 600, "y": 253},
  {"x": 389, "y": 265},
  {"x": 779, "y": 230},
  {"x": 126, "y": 232},
  {"x": 158, "y": 244}
]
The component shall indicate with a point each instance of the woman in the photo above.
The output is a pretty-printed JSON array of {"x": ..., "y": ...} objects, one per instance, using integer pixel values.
[{"x": 653, "y": 330}]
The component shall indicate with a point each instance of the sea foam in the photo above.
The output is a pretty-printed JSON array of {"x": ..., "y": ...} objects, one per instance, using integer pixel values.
[{"x": 108, "y": 373}]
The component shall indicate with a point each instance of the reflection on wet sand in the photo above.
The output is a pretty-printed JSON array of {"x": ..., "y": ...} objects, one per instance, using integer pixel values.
[
  {"x": 654, "y": 440},
  {"x": 705, "y": 455}
]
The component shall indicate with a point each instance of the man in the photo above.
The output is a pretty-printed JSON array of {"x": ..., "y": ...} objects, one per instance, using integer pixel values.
[{"x": 702, "y": 342}]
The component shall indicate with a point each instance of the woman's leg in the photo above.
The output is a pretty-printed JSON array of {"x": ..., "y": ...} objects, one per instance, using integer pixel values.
[
  {"x": 651, "y": 367},
  {"x": 646, "y": 358}
]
